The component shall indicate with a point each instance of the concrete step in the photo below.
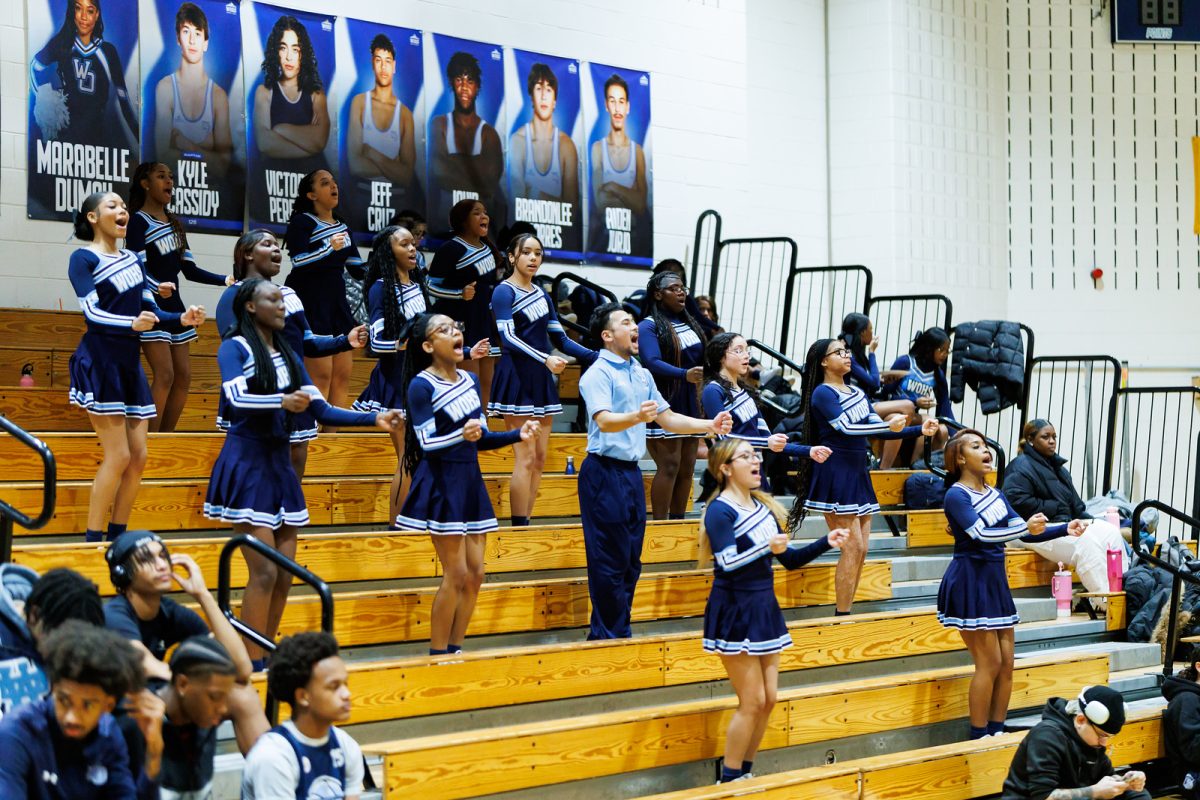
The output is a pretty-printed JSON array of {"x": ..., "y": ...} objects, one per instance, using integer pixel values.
[
  {"x": 918, "y": 568},
  {"x": 1121, "y": 655}
]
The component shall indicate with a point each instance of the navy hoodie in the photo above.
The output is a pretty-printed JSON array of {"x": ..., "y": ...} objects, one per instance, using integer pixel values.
[
  {"x": 1181, "y": 725},
  {"x": 21, "y": 677}
]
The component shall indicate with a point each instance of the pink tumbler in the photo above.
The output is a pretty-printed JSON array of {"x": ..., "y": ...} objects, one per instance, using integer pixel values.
[
  {"x": 1060, "y": 587},
  {"x": 1113, "y": 515},
  {"x": 1115, "y": 573}
]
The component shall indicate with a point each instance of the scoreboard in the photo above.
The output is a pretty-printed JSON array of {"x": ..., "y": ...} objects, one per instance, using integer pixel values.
[{"x": 1156, "y": 21}]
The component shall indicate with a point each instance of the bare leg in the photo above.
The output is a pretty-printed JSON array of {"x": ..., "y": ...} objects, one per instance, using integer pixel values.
[
  {"x": 984, "y": 647},
  {"x": 770, "y": 682},
  {"x": 299, "y": 456},
  {"x": 452, "y": 553},
  {"x": 1002, "y": 688},
  {"x": 474, "y": 552},
  {"x": 163, "y": 368},
  {"x": 177, "y": 398},
  {"x": 285, "y": 543},
  {"x": 114, "y": 441},
  {"x": 666, "y": 455},
  {"x": 260, "y": 585},
  {"x": 339, "y": 379},
  {"x": 850, "y": 560},
  {"x": 528, "y": 464},
  {"x": 891, "y": 447},
  {"x": 685, "y": 478},
  {"x": 131, "y": 478},
  {"x": 747, "y": 678},
  {"x": 486, "y": 367}
]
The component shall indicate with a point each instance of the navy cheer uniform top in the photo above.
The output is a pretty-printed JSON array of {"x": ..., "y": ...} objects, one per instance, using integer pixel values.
[
  {"x": 317, "y": 271},
  {"x": 919, "y": 383},
  {"x": 526, "y": 321},
  {"x": 448, "y": 495},
  {"x": 974, "y": 594},
  {"x": 748, "y": 423},
  {"x": 865, "y": 377},
  {"x": 106, "y": 368},
  {"x": 457, "y": 264},
  {"x": 385, "y": 389},
  {"x": 164, "y": 251},
  {"x": 299, "y": 337},
  {"x": 843, "y": 420},
  {"x": 743, "y": 615},
  {"x": 252, "y": 479},
  {"x": 672, "y": 380}
]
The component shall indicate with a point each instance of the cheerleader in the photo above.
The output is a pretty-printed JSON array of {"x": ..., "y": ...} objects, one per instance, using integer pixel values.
[
  {"x": 726, "y": 365},
  {"x": 396, "y": 293},
  {"x": 859, "y": 335},
  {"x": 524, "y": 386},
  {"x": 446, "y": 429},
  {"x": 974, "y": 597},
  {"x": 107, "y": 379},
  {"x": 158, "y": 237},
  {"x": 257, "y": 256},
  {"x": 742, "y": 621},
  {"x": 321, "y": 247},
  {"x": 253, "y": 485},
  {"x": 839, "y": 416},
  {"x": 672, "y": 348},
  {"x": 461, "y": 279}
]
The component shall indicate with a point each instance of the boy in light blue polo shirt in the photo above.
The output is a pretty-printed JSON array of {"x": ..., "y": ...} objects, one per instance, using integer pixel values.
[{"x": 621, "y": 398}]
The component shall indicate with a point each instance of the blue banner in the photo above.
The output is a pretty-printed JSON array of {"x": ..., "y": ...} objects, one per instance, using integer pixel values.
[
  {"x": 620, "y": 217},
  {"x": 289, "y": 57},
  {"x": 82, "y": 115},
  {"x": 465, "y": 152},
  {"x": 192, "y": 102},
  {"x": 545, "y": 140},
  {"x": 381, "y": 124}
]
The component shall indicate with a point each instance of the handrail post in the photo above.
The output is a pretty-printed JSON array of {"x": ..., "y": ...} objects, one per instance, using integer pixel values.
[
  {"x": 6, "y": 538},
  {"x": 1173, "y": 611},
  {"x": 9, "y": 514}
]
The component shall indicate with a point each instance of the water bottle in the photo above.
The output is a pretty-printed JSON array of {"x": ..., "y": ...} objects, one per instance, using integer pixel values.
[
  {"x": 1115, "y": 571},
  {"x": 1060, "y": 587},
  {"x": 570, "y": 465},
  {"x": 1113, "y": 516},
  {"x": 26, "y": 376}
]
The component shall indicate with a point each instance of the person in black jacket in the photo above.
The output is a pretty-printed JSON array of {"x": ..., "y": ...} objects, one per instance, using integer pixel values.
[
  {"x": 1181, "y": 725},
  {"x": 1064, "y": 758},
  {"x": 1037, "y": 482}
]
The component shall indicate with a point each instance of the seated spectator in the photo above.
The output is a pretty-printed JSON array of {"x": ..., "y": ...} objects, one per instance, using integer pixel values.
[
  {"x": 920, "y": 377},
  {"x": 1066, "y": 752},
  {"x": 209, "y": 683},
  {"x": 1181, "y": 725},
  {"x": 30, "y": 608},
  {"x": 68, "y": 746},
  {"x": 858, "y": 332},
  {"x": 1037, "y": 482},
  {"x": 307, "y": 674},
  {"x": 708, "y": 309}
]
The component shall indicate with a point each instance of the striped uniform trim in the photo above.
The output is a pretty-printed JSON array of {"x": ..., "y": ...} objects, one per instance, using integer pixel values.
[
  {"x": 375, "y": 407},
  {"x": 747, "y": 647},
  {"x": 436, "y": 528},
  {"x": 87, "y": 401},
  {"x": 295, "y": 437},
  {"x": 526, "y": 410},
  {"x": 260, "y": 518},
  {"x": 843, "y": 509},
  {"x": 183, "y": 337},
  {"x": 661, "y": 433},
  {"x": 978, "y": 623}
]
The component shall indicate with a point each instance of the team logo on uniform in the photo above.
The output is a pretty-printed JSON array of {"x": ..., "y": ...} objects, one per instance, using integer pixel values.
[
  {"x": 97, "y": 774},
  {"x": 326, "y": 787},
  {"x": 85, "y": 79}
]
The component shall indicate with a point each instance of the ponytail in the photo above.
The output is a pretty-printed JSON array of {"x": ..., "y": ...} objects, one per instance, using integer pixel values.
[{"x": 83, "y": 227}]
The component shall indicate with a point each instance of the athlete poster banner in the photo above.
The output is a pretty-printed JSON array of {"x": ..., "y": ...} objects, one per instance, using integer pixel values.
[
  {"x": 465, "y": 154},
  {"x": 192, "y": 81},
  {"x": 83, "y": 90},
  {"x": 380, "y": 77},
  {"x": 620, "y": 217},
  {"x": 289, "y": 58},
  {"x": 545, "y": 139}
]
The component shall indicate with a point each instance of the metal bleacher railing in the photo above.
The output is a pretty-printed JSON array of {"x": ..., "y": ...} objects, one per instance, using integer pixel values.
[{"x": 8, "y": 514}]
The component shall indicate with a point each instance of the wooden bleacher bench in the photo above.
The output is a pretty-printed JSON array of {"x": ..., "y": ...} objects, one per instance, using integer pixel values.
[
  {"x": 556, "y": 751},
  {"x": 1114, "y": 609},
  {"x": 959, "y": 771}
]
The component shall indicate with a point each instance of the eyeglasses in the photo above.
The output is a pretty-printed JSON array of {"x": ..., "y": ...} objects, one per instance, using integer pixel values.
[
  {"x": 753, "y": 455},
  {"x": 445, "y": 329},
  {"x": 677, "y": 288},
  {"x": 839, "y": 352},
  {"x": 1101, "y": 736},
  {"x": 739, "y": 351}
]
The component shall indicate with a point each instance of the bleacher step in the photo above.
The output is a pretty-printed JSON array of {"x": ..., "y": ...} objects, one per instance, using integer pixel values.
[
  {"x": 918, "y": 568},
  {"x": 1121, "y": 655}
]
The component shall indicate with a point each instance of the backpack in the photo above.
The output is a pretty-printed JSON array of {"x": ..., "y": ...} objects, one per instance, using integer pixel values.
[{"x": 924, "y": 490}]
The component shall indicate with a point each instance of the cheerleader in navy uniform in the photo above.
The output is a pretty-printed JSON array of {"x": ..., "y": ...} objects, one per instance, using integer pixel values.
[
  {"x": 257, "y": 255},
  {"x": 974, "y": 597},
  {"x": 742, "y": 621},
  {"x": 524, "y": 386},
  {"x": 253, "y": 485},
  {"x": 107, "y": 379},
  {"x": 395, "y": 292},
  {"x": 448, "y": 499},
  {"x": 726, "y": 365},
  {"x": 672, "y": 348},
  {"x": 159, "y": 239},
  {"x": 461, "y": 279},
  {"x": 840, "y": 417},
  {"x": 858, "y": 333},
  {"x": 321, "y": 248},
  {"x": 920, "y": 378}
]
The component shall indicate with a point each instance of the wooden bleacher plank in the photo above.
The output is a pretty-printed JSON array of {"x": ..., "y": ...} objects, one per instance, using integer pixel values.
[
  {"x": 40, "y": 358},
  {"x": 1026, "y": 568},
  {"x": 191, "y": 455},
  {"x": 545, "y": 753},
  {"x": 35, "y": 327},
  {"x": 927, "y": 529},
  {"x": 835, "y": 782}
]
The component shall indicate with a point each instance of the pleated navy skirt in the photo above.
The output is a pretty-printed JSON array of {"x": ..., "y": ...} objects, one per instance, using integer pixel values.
[
  {"x": 974, "y": 595},
  {"x": 107, "y": 377}
]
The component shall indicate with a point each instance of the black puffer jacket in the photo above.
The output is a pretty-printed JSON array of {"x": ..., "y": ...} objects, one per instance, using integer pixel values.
[
  {"x": 989, "y": 356},
  {"x": 1181, "y": 725},
  {"x": 1034, "y": 483},
  {"x": 1052, "y": 756},
  {"x": 1147, "y": 589}
]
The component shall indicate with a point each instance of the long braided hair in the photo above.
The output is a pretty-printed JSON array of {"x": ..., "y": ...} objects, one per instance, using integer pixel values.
[
  {"x": 664, "y": 330},
  {"x": 264, "y": 381},
  {"x": 415, "y": 360},
  {"x": 814, "y": 376},
  {"x": 137, "y": 199},
  {"x": 381, "y": 266}
]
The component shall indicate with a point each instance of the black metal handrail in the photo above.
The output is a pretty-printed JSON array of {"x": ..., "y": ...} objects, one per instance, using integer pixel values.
[
  {"x": 947, "y": 320},
  {"x": 956, "y": 426},
  {"x": 789, "y": 295},
  {"x": 224, "y": 581},
  {"x": 775, "y": 354},
  {"x": 698, "y": 243},
  {"x": 9, "y": 514},
  {"x": 1178, "y": 576},
  {"x": 581, "y": 329}
]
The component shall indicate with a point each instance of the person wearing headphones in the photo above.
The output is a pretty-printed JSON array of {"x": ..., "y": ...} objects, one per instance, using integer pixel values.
[{"x": 1064, "y": 758}]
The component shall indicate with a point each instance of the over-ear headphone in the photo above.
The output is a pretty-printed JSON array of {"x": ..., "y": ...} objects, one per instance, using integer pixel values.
[
  {"x": 1096, "y": 712},
  {"x": 119, "y": 572}
]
